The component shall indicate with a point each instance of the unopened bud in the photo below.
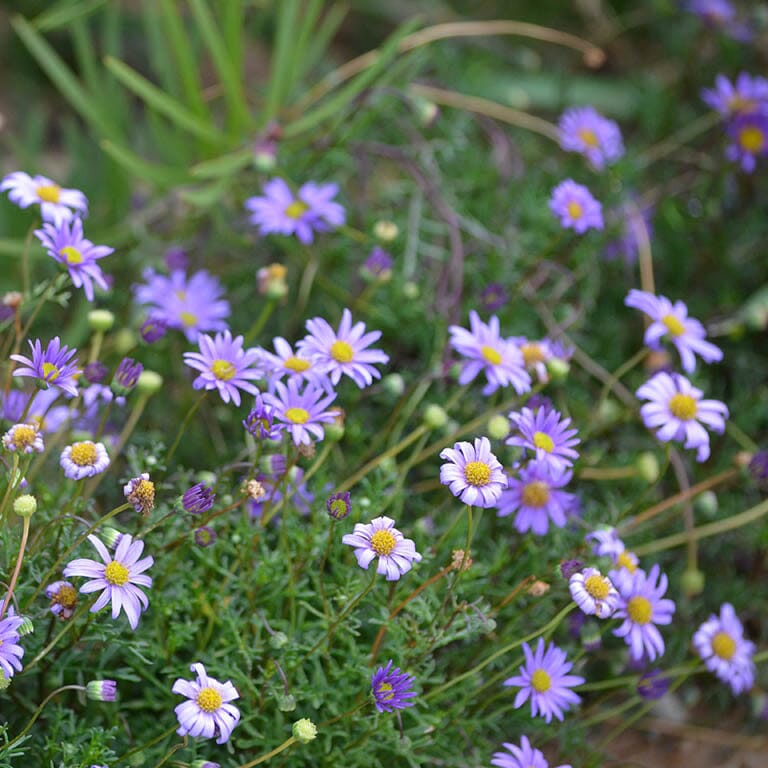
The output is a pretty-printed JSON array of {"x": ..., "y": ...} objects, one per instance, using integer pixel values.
[
  {"x": 149, "y": 382},
  {"x": 498, "y": 427},
  {"x": 538, "y": 588},
  {"x": 434, "y": 416},
  {"x": 286, "y": 702},
  {"x": 558, "y": 368},
  {"x": 304, "y": 730},
  {"x": 385, "y": 230},
  {"x": 647, "y": 466},
  {"x": 692, "y": 582},
  {"x": 100, "y": 320},
  {"x": 26, "y": 627},
  {"x": 278, "y": 640},
  {"x": 393, "y": 384},
  {"x": 706, "y": 503},
  {"x": 25, "y": 506}
]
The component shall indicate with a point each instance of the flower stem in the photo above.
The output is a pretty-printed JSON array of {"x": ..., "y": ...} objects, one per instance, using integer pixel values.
[
  {"x": 39, "y": 710},
  {"x": 17, "y": 569},
  {"x": 182, "y": 428},
  {"x": 260, "y": 322},
  {"x": 276, "y": 751}
]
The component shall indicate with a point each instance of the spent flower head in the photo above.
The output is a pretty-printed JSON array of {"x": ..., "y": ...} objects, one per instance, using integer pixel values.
[
  {"x": 140, "y": 491},
  {"x": 63, "y": 597}
]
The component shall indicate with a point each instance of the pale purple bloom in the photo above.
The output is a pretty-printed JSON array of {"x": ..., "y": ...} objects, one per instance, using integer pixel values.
[
  {"x": 126, "y": 376},
  {"x": 486, "y": 351},
  {"x": 584, "y": 130},
  {"x": 24, "y": 438},
  {"x": 208, "y": 712},
  {"x": 749, "y": 137},
  {"x": 291, "y": 490},
  {"x": 47, "y": 417},
  {"x": 56, "y": 203},
  {"x": 545, "y": 680},
  {"x": 747, "y": 94},
  {"x": 66, "y": 244},
  {"x": 722, "y": 15},
  {"x": 677, "y": 412},
  {"x": 344, "y": 351},
  {"x": 671, "y": 321},
  {"x": 642, "y": 606},
  {"x": 378, "y": 264},
  {"x": 493, "y": 297},
  {"x": 381, "y": 539},
  {"x": 198, "y": 499},
  {"x": 63, "y": 597},
  {"x": 10, "y": 650},
  {"x": 119, "y": 577},
  {"x": 224, "y": 365},
  {"x": 312, "y": 209},
  {"x": 260, "y": 422},
  {"x": 301, "y": 413},
  {"x": 574, "y": 205},
  {"x": 83, "y": 459},
  {"x": 546, "y": 433},
  {"x": 606, "y": 543},
  {"x": 473, "y": 473},
  {"x": 391, "y": 688},
  {"x": 593, "y": 593},
  {"x": 52, "y": 366},
  {"x": 720, "y": 643},
  {"x": 536, "y": 497},
  {"x": 193, "y": 305},
  {"x": 524, "y": 756},
  {"x": 285, "y": 362}
]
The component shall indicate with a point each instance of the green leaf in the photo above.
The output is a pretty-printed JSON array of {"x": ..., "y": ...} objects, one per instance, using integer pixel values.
[
  {"x": 226, "y": 165},
  {"x": 160, "y": 101},
  {"x": 162, "y": 175},
  {"x": 205, "y": 196},
  {"x": 65, "y": 12}
]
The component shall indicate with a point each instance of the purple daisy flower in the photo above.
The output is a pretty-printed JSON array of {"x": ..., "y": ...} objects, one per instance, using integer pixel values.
[
  {"x": 381, "y": 539},
  {"x": 126, "y": 376},
  {"x": 544, "y": 678},
  {"x": 720, "y": 14},
  {"x": 593, "y": 593},
  {"x": 536, "y": 498},
  {"x": 224, "y": 365},
  {"x": 749, "y": 136},
  {"x": 301, "y": 413},
  {"x": 10, "y": 650},
  {"x": 605, "y": 543},
  {"x": 198, "y": 499},
  {"x": 63, "y": 597},
  {"x": 193, "y": 305},
  {"x": 391, "y": 688},
  {"x": 343, "y": 351},
  {"x": 672, "y": 321},
  {"x": 545, "y": 432},
  {"x": 720, "y": 643},
  {"x": 292, "y": 365},
  {"x": 118, "y": 577},
  {"x": 677, "y": 412},
  {"x": 208, "y": 712},
  {"x": 524, "y": 756},
  {"x": 536, "y": 355},
  {"x": 84, "y": 459},
  {"x": 56, "y": 203},
  {"x": 259, "y": 423},
  {"x": 642, "y": 606},
  {"x": 574, "y": 205},
  {"x": 586, "y": 131},
  {"x": 52, "y": 366},
  {"x": 66, "y": 244},
  {"x": 310, "y": 210},
  {"x": 24, "y": 438},
  {"x": 292, "y": 491},
  {"x": 473, "y": 473},
  {"x": 205, "y": 536},
  {"x": 745, "y": 95},
  {"x": 339, "y": 505},
  {"x": 487, "y": 351},
  {"x": 493, "y": 297}
]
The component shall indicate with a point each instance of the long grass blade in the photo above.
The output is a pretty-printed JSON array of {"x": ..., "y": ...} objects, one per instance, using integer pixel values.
[
  {"x": 62, "y": 14},
  {"x": 162, "y": 175}
]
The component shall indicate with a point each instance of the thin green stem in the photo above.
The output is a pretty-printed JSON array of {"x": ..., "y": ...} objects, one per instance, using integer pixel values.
[
  {"x": 190, "y": 413},
  {"x": 276, "y": 751},
  {"x": 39, "y": 710},
  {"x": 17, "y": 569},
  {"x": 260, "y": 321}
]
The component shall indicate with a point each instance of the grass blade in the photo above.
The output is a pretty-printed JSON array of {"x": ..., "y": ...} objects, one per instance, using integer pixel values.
[
  {"x": 162, "y": 175},
  {"x": 63, "y": 13}
]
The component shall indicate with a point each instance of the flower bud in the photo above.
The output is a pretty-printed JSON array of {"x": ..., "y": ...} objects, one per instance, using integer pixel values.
[
  {"x": 26, "y": 627},
  {"x": 706, "y": 503},
  {"x": 339, "y": 505},
  {"x": 386, "y": 231},
  {"x": 149, "y": 383},
  {"x": 393, "y": 384},
  {"x": 692, "y": 582},
  {"x": 304, "y": 730},
  {"x": 434, "y": 416},
  {"x": 558, "y": 368},
  {"x": 4, "y": 681},
  {"x": 110, "y": 536},
  {"x": 286, "y": 702},
  {"x": 498, "y": 427},
  {"x": 647, "y": 466},
  {"x": 100, "y": 320},
  {"x": 411, "y": 290},
  {"x": 25, "y": 506},
  {"x": 278, "y": 640},
  {"x": 101, "y": 690}
]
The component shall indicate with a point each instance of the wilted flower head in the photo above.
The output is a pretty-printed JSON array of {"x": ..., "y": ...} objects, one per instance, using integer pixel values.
[
  {"x": 381, "y": 539},
  {"x": 586, "y": 131},
  {"x": 574, "y": 205},
  {"x": 473, "y": 473},
  {"x": 56, "y": 203},
  {"x": 52, "y": 367},
  {"x": 391, "y": 688},
  {"x": 140, "y": 491},
  {"x": 23, "y": 438},
  {"x": 63, "y": 597},
  {"x": 198, "y": 499}
]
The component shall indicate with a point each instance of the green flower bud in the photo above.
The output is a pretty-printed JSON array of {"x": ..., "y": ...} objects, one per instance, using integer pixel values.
[
  {"x": 286, "y": 702},
  {"x": 26, "y": 627},
  {"x": 386, "y": 231},
  {"x": 149, "y": 382},
  {"x": 110, "y": 536},
  {"x": 4, "y": 681},
  {"x": 100, "y": 320},
  {"x": 647, "y": 466},
  {"x": 25, "y": 506},
  {"x": 125, "y": 340},
  {"x": 304, "y": 730},
  {"x": 278, "y": 640},
  {"x": 692, "y": 582},
  {"x": 558, "y": 369},
  {"x": 411, "y": 290},
  {"x": 393, "y": 384},
  {"x": 706, "y": 503},
  {"x": 498, "y": 427},
  {"x": 334, "y": 431},
  {"x": 434, "y": 416}
]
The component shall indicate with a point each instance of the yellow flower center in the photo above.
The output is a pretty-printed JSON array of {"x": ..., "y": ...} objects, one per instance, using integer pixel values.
[
  {"x": 342, "y": 352},
  {"x": 740, "y": 104},
  {"x": 532, "y": 353},
  {"x": 296, "y": 209},
  {"x": 24, "y": 435},
  {"x": 490, "y": 355},
  {"x": 223, "y": 370},
  {"x": 597, "y": 586},
  {"x": 673, "y": 325},
  {"x": 752, "y": 139},
  {"x": 188, "y": 319},
  {"x": 639, "y": 609},
  {"x": 383, "y": 542},
  {"x": 385, "y": 691},
  {"x": 477, "y": 473},
  {"x": 682, "y": 407},
  {"x": 116, "y": 573},
  {"x": 543, "y": 441},
  {"x": 66, "y": 597},
  {"x": 724, "y": 645},
  {"x": 209, "y": 700},
  {"x": 589, "y": 137},
  {"x": 296, "y": 364},
  {"x": 297, "y": 415},
  {"x": 71, "y": 255},
  {"x": 575, "y": 210},
  {"x": 535, "y": 494},
  {"x": 83, "y": 454},
  {"x": 541, "y": 681},
  {"x": 49, "y": 193},
  {"x": 143, "y": 494},
  {"x": 50, "y": 372},
  {"x": 625, "y": 561}
]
